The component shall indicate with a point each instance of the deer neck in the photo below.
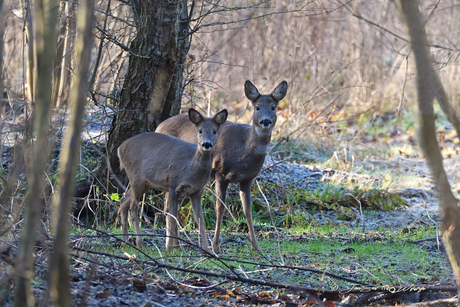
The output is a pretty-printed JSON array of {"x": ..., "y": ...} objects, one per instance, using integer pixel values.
[
  {"x": 258, "y": 140},
  {"x": 203, "y": 159}
]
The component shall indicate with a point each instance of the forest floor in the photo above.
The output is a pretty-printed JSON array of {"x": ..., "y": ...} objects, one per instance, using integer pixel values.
[
  {"x": 353, "y": 222},
  {"x": 374, "y": 248}
]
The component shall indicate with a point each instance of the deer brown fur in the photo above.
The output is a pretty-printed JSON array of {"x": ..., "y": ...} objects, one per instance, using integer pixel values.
[
  {"x": 157, "y": 161},
  {"x": 240, "y": 151}
]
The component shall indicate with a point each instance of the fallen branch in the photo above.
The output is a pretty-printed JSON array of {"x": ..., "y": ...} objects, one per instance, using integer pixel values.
[{"x": 360, "y": 289}]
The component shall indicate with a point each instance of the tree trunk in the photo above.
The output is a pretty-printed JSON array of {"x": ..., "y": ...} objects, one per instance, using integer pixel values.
[
  {"x": 153, "y": 83},
  {"x": 59, "y": 264},
  {"x": 29, "y": 54},
  {"x": 428, "y": 87},
  {"x": 44, "y": 18},
  {"x": 2, "y": 31},
  {"x": 63, "y": 55}
]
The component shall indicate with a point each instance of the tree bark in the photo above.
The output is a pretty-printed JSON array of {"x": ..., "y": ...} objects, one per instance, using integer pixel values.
[
  {"x": 59, "y": 264},
  {"x": 2, "y": 32},
  {"x": 30, "y": 53},
  {"x": 63, "y": 55},
  {"x": 44, "y": 18},
  {"x": 153, "y": 83},
  {"x": 428, "y": 87}
]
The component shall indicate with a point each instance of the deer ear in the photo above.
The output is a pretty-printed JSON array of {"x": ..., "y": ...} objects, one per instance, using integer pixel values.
[
  {"x": 221, "y": 117},
  {"x": 280, "y": 91},
  {"x": 251, "y": 91},
  {"x": 195, "y": 116}
]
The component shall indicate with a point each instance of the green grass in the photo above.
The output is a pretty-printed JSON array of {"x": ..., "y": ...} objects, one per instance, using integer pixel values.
[{"x": 383, "y": 256}]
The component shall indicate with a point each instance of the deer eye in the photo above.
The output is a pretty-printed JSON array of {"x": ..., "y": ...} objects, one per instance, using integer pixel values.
[
  {"x": 273, "y": 108},
  {"x": 200, "y": 131},
  {"x": 215, "y": 132},
  {"x": 257, "y": 108}
]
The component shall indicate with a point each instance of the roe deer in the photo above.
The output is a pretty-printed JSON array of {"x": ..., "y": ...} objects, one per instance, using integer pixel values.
[
  {"x": 157, "y": 161},
  {"x": 240, "y": 151}
]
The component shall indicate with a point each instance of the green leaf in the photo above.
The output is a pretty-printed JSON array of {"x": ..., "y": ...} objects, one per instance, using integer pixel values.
[{"x": 115, "y": 196}]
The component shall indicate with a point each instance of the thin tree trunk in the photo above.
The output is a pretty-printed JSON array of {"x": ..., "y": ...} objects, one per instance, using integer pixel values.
[
  {"x": 67, "y": 64},
  {"x": 99, "y": 56},
  {"x": 63, "y": 55},
  {"x": 45, "y": 17},
  {"x": 2, "y": 31},
  {"x": 30, "y": 53},
  {"x": 58, "y": 62},
  {"x": 59, "y": 264},
  {"x": 429, "y": 87},
  {"x": 156, "y": 61}
]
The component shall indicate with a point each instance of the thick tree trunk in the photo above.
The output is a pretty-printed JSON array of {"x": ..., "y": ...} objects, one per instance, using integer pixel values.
[
  {"x": 152, "y": 88},
  {"x": 59, "y": 263},
  {"x": 428, "y": 87}
]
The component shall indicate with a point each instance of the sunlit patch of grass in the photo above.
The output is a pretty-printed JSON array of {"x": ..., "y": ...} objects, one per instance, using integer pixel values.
[
  {"x": 371, "y": 149},
  {"x": 298, "y": 204},
  {"x": 360, "y": 233},
  {"x": 382, "y": 256}
]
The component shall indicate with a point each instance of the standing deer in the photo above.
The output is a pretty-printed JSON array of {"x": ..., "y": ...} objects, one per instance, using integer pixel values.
[
  {"x": 157, "y": 161},
  {"x": 240, "y": 151}
]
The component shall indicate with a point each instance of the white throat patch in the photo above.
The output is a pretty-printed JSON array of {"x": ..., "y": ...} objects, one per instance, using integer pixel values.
[{"x": 263, "y": 133}]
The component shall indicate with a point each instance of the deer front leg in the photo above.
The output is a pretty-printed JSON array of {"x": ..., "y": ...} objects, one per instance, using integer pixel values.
[
  {"x": 245, "y": 195},
  {"x": 123, "y": 213},
  {"x": 221, "y": 192},
  {"x": 172, "y": 230},
  {"x": 199, "y": 218},
  {"x": 134, "y": 210}
]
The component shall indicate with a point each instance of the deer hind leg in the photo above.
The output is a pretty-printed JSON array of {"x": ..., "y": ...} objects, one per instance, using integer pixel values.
[
  {"x": 245, "y": 195},
  {"x": 172, "y": 229},
  {"x": 199, "y": 218},
  {"x": 221, "y": 192}
]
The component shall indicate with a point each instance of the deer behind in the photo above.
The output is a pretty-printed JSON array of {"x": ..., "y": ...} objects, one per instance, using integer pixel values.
[
  {"x": 240, "y": 151},
  {"x": 157, "y": 161}
]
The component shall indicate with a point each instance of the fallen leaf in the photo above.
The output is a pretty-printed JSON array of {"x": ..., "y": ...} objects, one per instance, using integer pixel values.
[
  {"x": 104, "y": 294},
  {"x": 139, "y": 284}
]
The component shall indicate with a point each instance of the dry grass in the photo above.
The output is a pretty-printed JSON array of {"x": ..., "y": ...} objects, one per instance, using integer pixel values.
[{"x": 336, "y": 65}]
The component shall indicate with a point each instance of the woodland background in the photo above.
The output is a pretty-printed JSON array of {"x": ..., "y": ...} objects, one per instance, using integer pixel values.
[{"x": 351, "y": 104}]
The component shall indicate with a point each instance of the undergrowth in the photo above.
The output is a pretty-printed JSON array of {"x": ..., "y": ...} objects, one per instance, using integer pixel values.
[{"x": 382, "y": 257}]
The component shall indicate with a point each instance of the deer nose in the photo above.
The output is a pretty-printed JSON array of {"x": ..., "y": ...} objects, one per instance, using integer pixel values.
[
  {"x": 265, "y": 123},
  {"x": 206, "y": 145}
]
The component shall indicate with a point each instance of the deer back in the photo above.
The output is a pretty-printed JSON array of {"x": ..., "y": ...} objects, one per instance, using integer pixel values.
[
  {"x": 155, "y": 160},
  {"x": 179, "y": 126}
]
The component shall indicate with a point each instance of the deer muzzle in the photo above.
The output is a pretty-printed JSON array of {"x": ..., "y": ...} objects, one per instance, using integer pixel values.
[
  {"x": 266, "y": 123},
  {"x": 207, "y": 146}
]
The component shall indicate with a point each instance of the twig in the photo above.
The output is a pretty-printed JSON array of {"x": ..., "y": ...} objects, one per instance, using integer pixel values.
[
  {"x": 113, "y": 16},
  {"x": 360, "y": 289},
  {"x": 223, "y": 202},
  {"x": 271, "y": 218},
  {"x": 356, "y": 15},
  {"x": 204, "y": 252}
]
